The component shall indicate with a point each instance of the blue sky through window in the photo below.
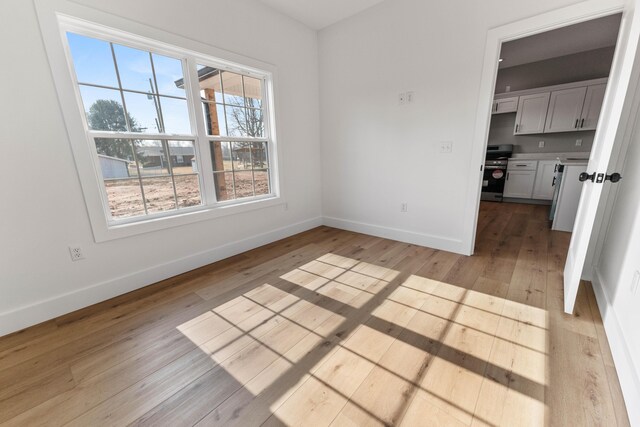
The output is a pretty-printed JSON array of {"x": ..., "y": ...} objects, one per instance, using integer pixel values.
[{"x": 94, "y": 65}]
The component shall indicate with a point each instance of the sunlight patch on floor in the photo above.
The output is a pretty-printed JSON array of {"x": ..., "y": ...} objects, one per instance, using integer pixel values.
[{"x": 423, "y": 342}]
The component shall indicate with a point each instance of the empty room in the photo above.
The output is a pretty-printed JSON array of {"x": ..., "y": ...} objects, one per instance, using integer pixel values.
[{"x": 314, "y": 213}]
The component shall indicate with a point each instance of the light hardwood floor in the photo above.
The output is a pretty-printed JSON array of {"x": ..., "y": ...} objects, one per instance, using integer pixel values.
[{"x": 332, "y": 328}]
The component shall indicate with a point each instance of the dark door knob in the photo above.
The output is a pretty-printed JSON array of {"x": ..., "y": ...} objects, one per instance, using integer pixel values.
[
  {"x": 614, "y": 177},
  {"x": 585, "y": 176}
]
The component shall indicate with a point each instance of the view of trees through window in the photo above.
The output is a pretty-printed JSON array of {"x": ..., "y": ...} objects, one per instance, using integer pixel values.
[{"x": 135, "y": 92}]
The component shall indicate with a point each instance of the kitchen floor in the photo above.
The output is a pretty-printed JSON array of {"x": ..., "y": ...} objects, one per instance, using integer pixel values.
[{"x": 331, "y": 327}]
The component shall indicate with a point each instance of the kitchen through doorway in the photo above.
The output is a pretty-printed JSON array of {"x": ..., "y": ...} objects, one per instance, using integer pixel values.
[{"x": 549, "y": 91}]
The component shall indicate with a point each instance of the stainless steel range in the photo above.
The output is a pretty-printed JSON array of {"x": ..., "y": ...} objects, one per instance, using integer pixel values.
[{"x": 495, "y": 171}]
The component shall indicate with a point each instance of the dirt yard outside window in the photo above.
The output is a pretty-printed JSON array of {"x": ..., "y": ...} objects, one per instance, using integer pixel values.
[{"x": 125, "y": 195}]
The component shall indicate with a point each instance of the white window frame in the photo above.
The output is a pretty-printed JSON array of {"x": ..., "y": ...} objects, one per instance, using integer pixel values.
[{"x": 57, "y": 17}]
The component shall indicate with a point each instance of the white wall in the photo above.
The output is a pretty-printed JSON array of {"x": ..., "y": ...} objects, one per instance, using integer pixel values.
[
  {"x": 377, "y": 154},
  {"x": 42, "y": 210},
  {"x": 615, "y": 269}
]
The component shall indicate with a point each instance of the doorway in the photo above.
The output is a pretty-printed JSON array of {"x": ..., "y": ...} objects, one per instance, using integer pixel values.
[
  {"x": 549, "y": 90},
  {"x": 615, "y": 117}
]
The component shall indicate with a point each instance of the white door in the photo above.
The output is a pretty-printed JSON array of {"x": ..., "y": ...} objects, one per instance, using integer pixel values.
[
  {"x": 532, "y": 112},
  {"x": 592, "y": 107},
  {"x": 565, "y": 107},
  {"x": 615, "y": 113}
]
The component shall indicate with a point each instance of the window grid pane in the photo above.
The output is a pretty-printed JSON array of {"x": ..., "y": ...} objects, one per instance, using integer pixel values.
[
  {"x": 240, "y": 169},
  {"x": 237, "y": 99},
  {"x": 161, "y": 169},
  {"x": 214, "y": 119},
  {"x": 136, "y": 79},
  {"x": 184, "y": 173}
]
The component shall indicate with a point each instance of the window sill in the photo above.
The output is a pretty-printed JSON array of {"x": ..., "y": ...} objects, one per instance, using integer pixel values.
[{"x": 105, "y": 232}]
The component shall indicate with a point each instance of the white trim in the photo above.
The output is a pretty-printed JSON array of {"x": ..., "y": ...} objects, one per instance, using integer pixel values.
[
  {"x": 23, "y": 317},
  {"x": 628, "y": 371},
  {"x": 161, "y": 221},
  {"x": 57, "y": 16},
  {"x": 427, "y": 240},
  {"x": 569, "y": 15}
]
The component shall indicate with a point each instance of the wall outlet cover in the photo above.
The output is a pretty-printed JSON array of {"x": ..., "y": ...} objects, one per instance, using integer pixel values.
[{"x": 76, "y": 253}]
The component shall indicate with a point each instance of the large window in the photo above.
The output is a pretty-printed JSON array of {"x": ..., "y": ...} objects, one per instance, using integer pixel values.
[{"x": 171, "y": 132}]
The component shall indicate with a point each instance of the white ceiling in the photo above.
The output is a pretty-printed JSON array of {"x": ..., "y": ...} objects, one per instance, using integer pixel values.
[
  {"x": 318, "y": 14},
  {"x": 576, "y": 38}
]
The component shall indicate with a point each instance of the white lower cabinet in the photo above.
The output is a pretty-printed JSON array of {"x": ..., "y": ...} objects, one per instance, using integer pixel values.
[
  {"x": 519, "y": 183},
  {"x": 543, "y": 187},
  {"x": 530, "y": 179}
]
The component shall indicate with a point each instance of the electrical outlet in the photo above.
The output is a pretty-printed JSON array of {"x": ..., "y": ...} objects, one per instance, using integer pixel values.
[
  {"x": 635, "y": 282},
  {"x": 578, "y": 143},
  {"x": 76, "y": 253},
  {"x": 507, "y": 89},
  {"x": 446, "y": 147},
  {"x": 541, "y": 144},
  {"x": 402, "y": 98},
  {"x": 404, "y": 207}
]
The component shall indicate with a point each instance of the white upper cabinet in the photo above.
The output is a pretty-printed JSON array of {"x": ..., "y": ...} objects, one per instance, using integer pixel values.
[
  {"x": 505, "y": 105},
  {"x": 568, "y": 107},
  {"x": 565, "y": 110},
  {"x": 532, "y": 112},
  {"x": 544, "y": 185},
  {"x": 592, "y": 106}
]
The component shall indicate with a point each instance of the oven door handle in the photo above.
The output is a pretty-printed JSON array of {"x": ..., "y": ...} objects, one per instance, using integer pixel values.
[{"x": 494, "y": 167}]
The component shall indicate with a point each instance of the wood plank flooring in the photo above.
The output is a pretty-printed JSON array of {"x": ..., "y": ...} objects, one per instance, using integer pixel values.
[{"x": 331, "y": 327}]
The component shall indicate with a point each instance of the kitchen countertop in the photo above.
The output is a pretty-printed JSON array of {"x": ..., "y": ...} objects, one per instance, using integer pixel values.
[
  {"x": 575, "y": 162},
  {"x": 573, "y": 156}
]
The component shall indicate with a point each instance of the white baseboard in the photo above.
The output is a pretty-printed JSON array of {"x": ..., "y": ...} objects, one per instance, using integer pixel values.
[
  {"x": 627, "y": 370},
  {"x": 32, "y": 314},
  {"x": 23, "y": 317},
  {"x": 428, "y": 240}
]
